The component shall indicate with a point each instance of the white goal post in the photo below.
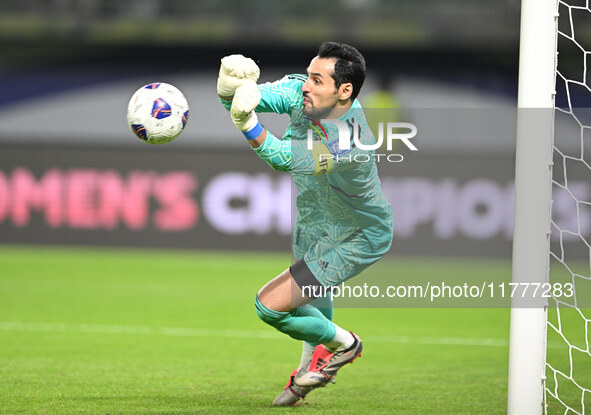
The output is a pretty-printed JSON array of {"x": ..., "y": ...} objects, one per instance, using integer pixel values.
[{"x": 533, "y": 194}]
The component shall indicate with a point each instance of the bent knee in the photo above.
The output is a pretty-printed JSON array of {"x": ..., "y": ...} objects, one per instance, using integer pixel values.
[{"x": 269, "y": 316}]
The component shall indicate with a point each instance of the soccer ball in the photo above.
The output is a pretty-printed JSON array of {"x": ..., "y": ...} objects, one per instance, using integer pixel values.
[{"x": 157, "y": 113}]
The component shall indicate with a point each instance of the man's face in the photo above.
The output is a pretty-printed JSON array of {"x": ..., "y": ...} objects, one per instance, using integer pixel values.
[{"x": 320, "y": 93}]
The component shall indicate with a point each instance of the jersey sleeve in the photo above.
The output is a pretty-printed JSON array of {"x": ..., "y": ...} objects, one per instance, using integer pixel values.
[
  {"x": 323, "y": 157},
  {"x": 289, "y": 156},
  {"x": 276, "y": 153},
  {"x": 281, "y": 96}
]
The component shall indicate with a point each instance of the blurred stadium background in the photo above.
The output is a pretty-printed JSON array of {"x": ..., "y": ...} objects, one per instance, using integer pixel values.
[
  {"x": 69, "y": 68},
  {"x": 72, "y": 174}
]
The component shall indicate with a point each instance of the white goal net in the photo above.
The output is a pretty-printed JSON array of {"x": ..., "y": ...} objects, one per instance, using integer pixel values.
[{"x": 568, "y": 356}]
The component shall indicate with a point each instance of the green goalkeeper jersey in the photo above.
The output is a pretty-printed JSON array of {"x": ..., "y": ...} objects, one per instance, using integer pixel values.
[{"x": 339, "y": 192}]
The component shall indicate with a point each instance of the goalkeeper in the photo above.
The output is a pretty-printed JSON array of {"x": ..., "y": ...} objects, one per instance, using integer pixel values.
[{"x": 344, "y": 222}]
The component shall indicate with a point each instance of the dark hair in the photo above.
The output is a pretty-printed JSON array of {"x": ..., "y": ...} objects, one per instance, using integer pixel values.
[{"x": 349, "y": 67}]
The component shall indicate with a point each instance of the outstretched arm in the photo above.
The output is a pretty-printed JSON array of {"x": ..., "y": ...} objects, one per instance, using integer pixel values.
[
  {"x": 282, "y": 155},
  {"x": 296, "y": 155},
  {"x": 239, "y": 92}
]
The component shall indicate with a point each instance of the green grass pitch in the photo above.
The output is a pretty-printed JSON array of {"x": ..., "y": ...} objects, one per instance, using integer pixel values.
[{"x": 104, "y": 331}]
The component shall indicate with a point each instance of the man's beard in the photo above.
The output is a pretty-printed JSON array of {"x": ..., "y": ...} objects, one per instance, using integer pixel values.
[{"x": 317, "y": 113}]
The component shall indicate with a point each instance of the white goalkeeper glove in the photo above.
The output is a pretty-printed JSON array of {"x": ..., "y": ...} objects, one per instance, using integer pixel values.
[
  {"x": 246, "y": 98},
  {"x": 235, "y": 70}
]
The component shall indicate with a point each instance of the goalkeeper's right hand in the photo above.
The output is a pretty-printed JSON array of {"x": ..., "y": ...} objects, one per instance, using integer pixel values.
[{"x": 235, "y": 70}]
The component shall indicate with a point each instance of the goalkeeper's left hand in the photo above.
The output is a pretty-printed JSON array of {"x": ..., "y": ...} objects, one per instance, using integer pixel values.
[{"x": 246, "y": 98}]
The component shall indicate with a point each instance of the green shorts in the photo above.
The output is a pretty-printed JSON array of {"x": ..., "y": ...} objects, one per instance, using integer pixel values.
[{"x": 333, "y": 261}]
